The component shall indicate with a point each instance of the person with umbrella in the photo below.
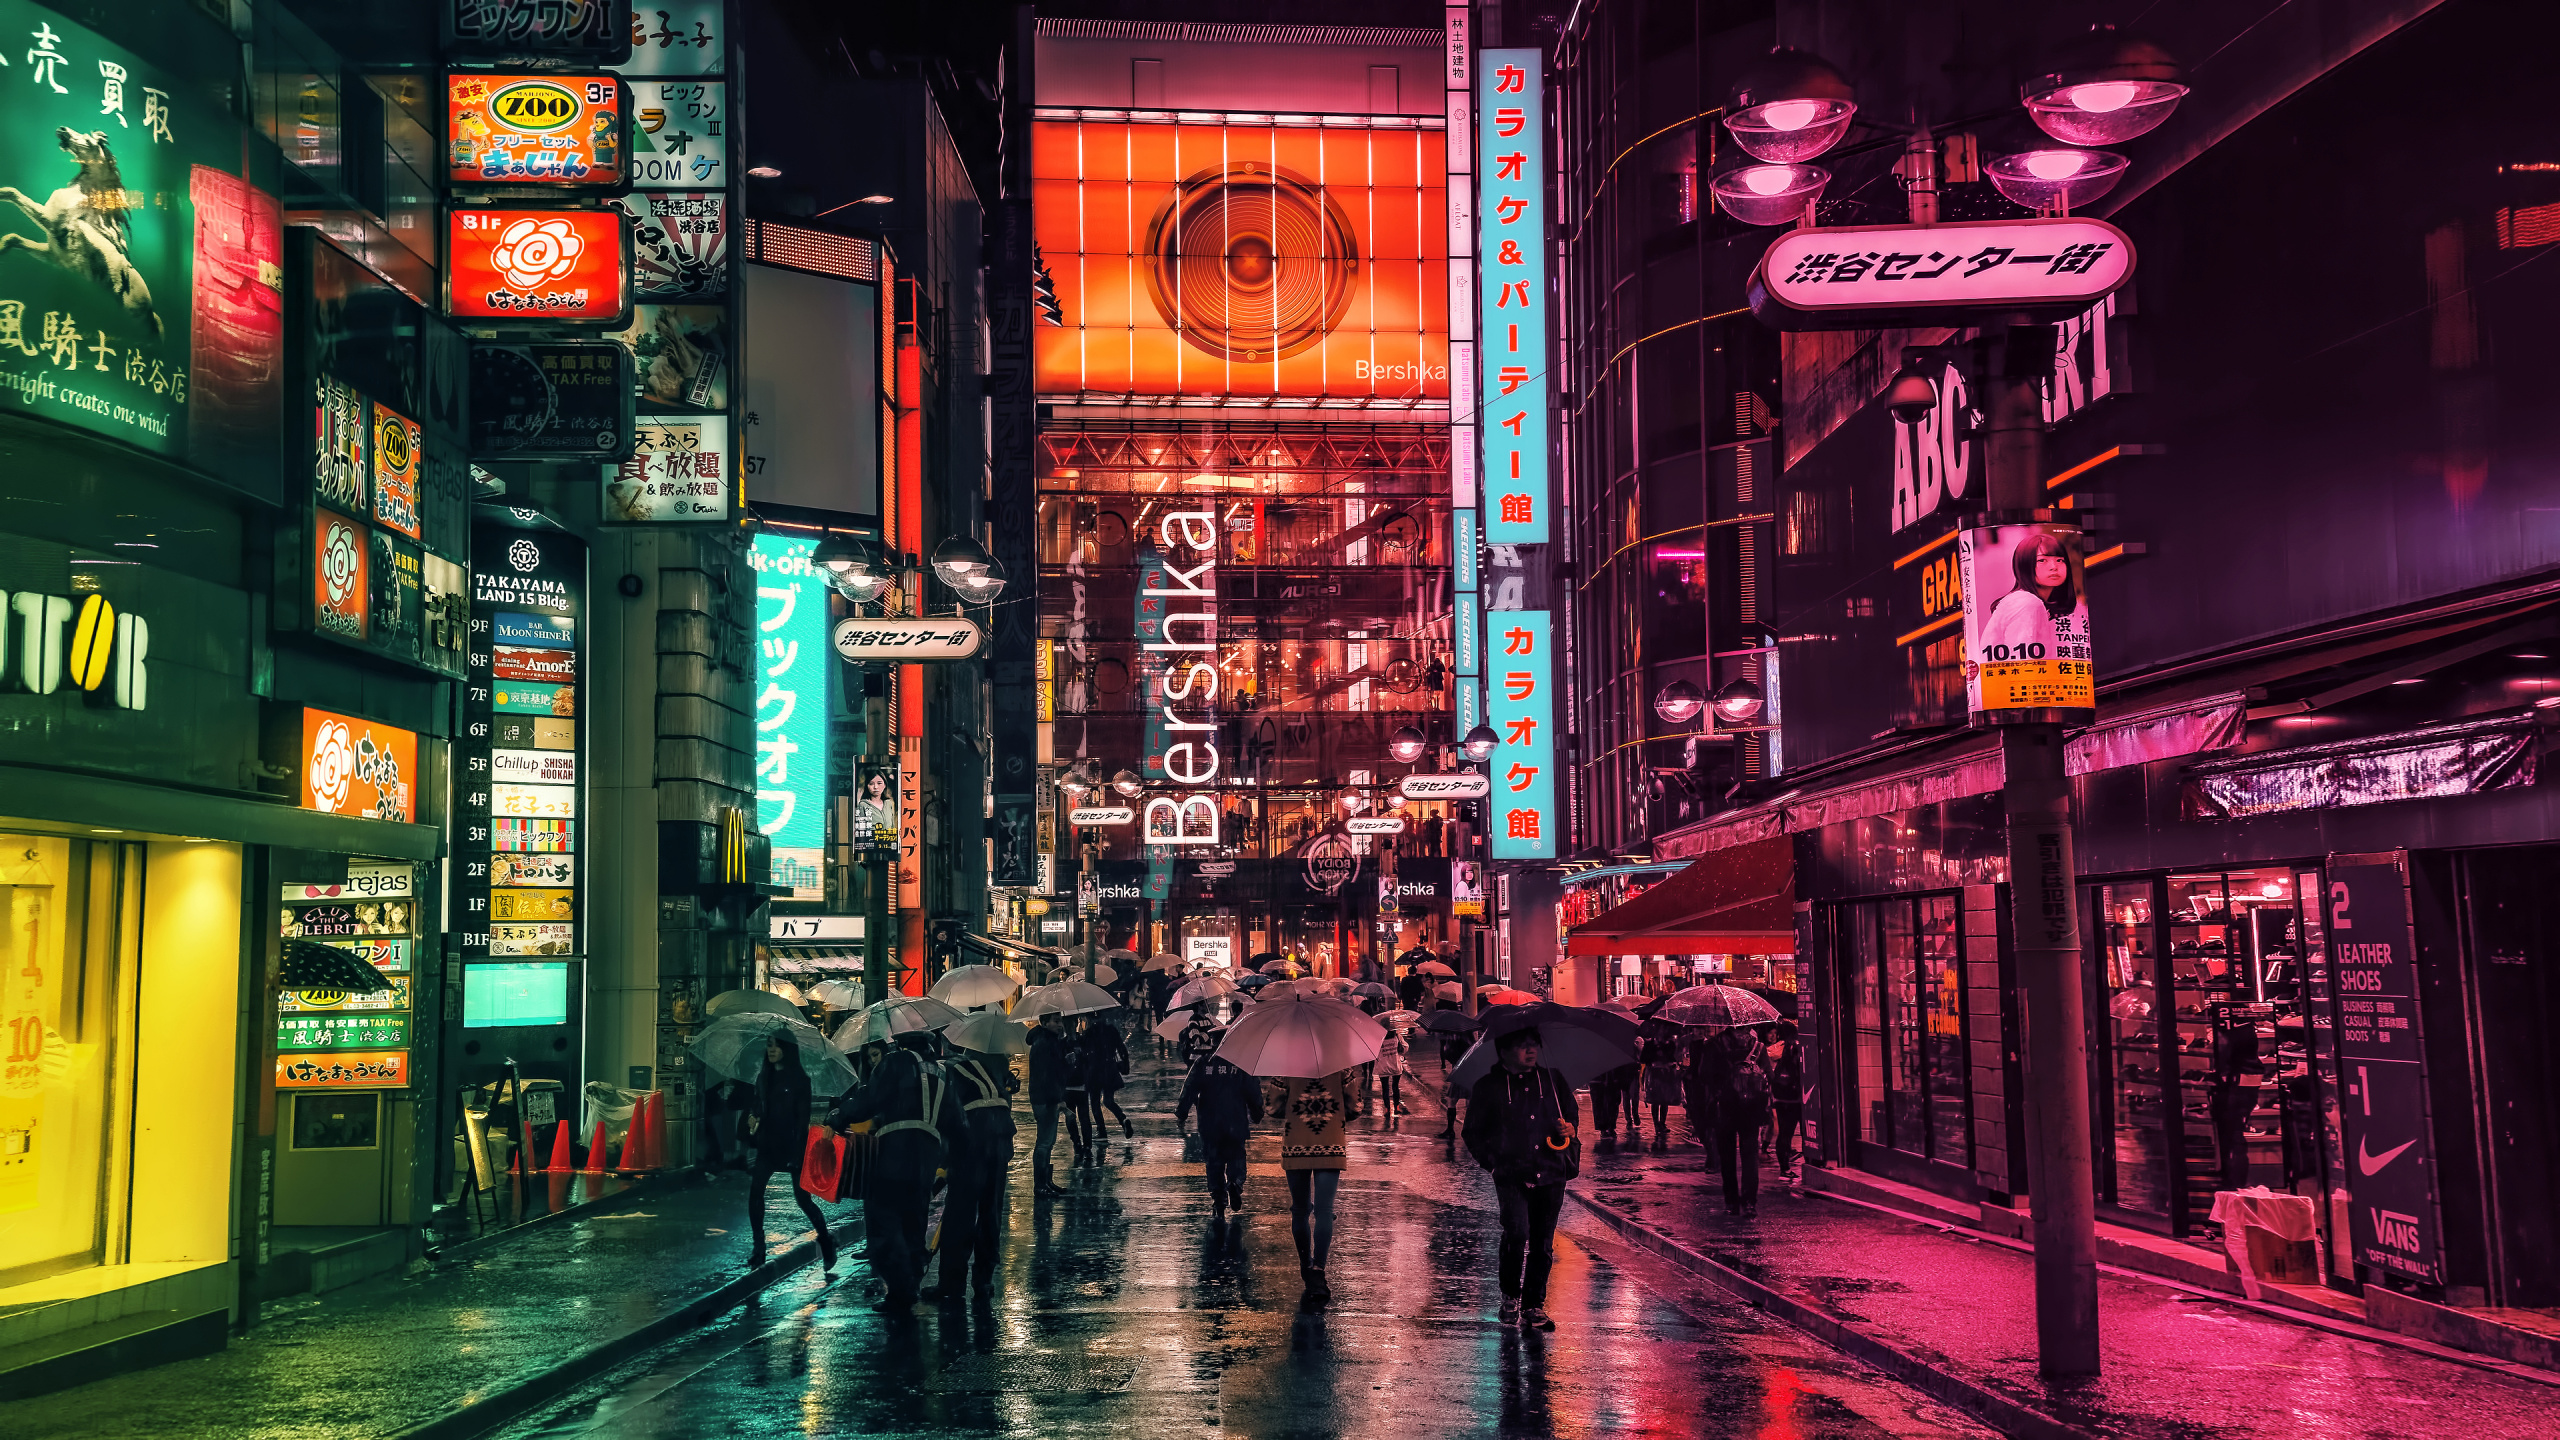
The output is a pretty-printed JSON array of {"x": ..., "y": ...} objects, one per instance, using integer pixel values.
[
  {"x": 1728, "y": 1103},
  {"x": 908, "y": 1099},
  {"x": 777, "y": 1125},
  {"x": 1050, "y": 1061},
  {"x": 1199, "y": 1038},
  {"x": 1786, "y": 1095},
  {"x": 1392, "y": 1067},
  {"x": 1520, "y": 1127},
  {"x": 1077, "y": 1093},
  {"x": 1105, "y": 1065},
  {"x": 1314, "y": 1148},
  {"x": 1230, "y": 1105},
  {"x": 982, "y": 1152},
  {"x": 1658, "y": 1051}
]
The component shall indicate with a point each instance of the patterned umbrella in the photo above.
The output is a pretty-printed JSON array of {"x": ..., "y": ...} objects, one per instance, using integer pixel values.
[{"x": 309, "y": 965}]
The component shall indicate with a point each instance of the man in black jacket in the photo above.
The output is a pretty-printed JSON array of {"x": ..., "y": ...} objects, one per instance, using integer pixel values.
[
  {"x": 1050, "y": 1063},
  {"x": 908, "y": 1101},
  {"x": 982, "y": 1159},
  {"x": 1520, "y": 1125},
  {"x": 1230, "y": 1102}
]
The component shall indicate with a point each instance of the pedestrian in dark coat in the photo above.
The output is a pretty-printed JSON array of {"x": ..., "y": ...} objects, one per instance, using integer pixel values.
[
  {"x": 1230, "y": 1103},
  {"x": 1106, "y": 1064},
  {"x": 1521, "y": 1123},
  {"x": 1409, "y": 990},
  {"x": 1050, "y": 1061},
  {"x": 1786, "y": 1095},
  {"x": 909, "y": 1103},
  {"x": 1202, "y": 1037},
  {"x": 1609, "y": 1091},
  {"x": 973, "y": 1214},
  {"x": 1728, "y": 1103},
  {"x": 777, "y": 1138},
  {"x": 1079, "y": 1094}
]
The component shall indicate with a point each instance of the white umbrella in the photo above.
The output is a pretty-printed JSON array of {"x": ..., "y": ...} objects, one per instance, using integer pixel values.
[
  {"x": 1448, "y": 992},
  {"x": 837, "y": 995},
  {"x": 988, "y": 1032},
  {"x": 1119, "y": 957},
  {"x": 1102, "y": 975},
  {"x": 1171, "y": 1027},
  {"x": 1399, "y": 1018},
  {"x": 895, "y": 1016},
  {"x": 749, "y": 1002},
  {"x": 970, "y": 986},
  {"x": 1432, "y": 967},
  {"x": 787, "y": 991},
  {"x": 1302, "y": 1036},
  {"x": 1196, "y": 991},
  {"x": 732, "y": 1047},
  {"x": 1284, "y": 967},
  {"x": 1067, "y": 997},
  {"x": 1166, "y": 961}
]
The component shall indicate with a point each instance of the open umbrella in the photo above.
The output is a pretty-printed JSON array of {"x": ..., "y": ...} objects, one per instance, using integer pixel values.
[
  {"x": 895, "y": 1016},
  {"x": 1581, "y": 1042},
  {"x": 1505, "y": 995},
  {"x": 1432, "y": 967},
  {"x": 1302, "y": 1036},
  {"x": 732, "y": 1047},
  {"x": 1450, "y": 991},
  {"x": 1170, "y": 1027},
  {"x": 1165, "y": 961},
  {"x": 968, "y": 986},
  {"x": 749, "y": 1002},
  {"x": 1254, "y": 980},
  {"x": 1718, "y": 1007},
  {"x": 836, "y": 995},
  {"x": 1102, "y": 974},
  {"x": 1200, "y": 990},
  {"x": 1399, "y": 1018},
  {"x": 988, "y": 1032},
  {"x": 1067, "y": 997},
  {"x": 309, "y": 965},
  {"x": 1618, "y": 1005},
  {"x": 1127, "y": 958},
  {"x": 1373, "y": 988},
  {"x": 1450, "y": 1022},
  {"x": 787, "y": 991}
]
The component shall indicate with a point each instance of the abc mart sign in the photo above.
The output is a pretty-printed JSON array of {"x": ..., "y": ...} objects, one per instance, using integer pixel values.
[{"x": 949, "y": 638}]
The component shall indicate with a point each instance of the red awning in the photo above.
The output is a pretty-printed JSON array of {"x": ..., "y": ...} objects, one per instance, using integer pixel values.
[{"x": 1736, "y": 901}]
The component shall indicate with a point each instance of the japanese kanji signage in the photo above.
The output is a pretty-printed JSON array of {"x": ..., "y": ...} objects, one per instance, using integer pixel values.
[
  {"x": 947, "y": 638},
  {"x": 516, "y": 767},
  {"x": 551, "y": 401},
  {"x": 344, "y": 1070},
  {"x": 678, "y": 470},
  {"x": 358, "y": 767},
  {"x": 1519, "y": 704},
  {"x": 552, "y": 266},
  {"x": 534, "y": 130},
  {"x": 791, "y": 704},
  {"x": 674, "y": 37},
  {"x": 1860, "y": 279},
  {"x": 123, "y": 205},
  {"x": 2026, "y": 621},
  {"x": 572, "y": 30},
  {"x": 679, "y": 134},
  {"x": 1511, "y": 228}
]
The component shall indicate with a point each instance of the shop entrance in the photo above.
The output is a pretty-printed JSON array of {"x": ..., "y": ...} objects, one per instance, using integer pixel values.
[{"x": 2513, "y": 949}]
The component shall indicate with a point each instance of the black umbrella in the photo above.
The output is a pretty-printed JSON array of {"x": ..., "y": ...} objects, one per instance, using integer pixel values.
[
  {"x": 1253, "y": 981},
  {"x": 309, "y": 965},
  {"x": 1449, "y": 1022},
  {"x": 1581, "y": 1042}
]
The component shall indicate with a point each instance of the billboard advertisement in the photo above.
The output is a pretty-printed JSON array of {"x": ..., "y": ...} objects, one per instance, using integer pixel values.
[
  {"x": 516, "y": 763},
  {"x": 546, "y": 130},
  {"x": 550, "y": 265},
  {"x": 792, "y": 664},
  {"x": 358, "y": 767},
  {"x": 1519, "y": 681},
  {"x": 1511, "y": 303},
  {"x": 2026, "y": 621},
  {"x": 1244, "y": 261}
]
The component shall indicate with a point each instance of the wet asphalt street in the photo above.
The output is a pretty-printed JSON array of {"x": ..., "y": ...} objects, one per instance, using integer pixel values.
[{"x": 1122, "y": 1311}]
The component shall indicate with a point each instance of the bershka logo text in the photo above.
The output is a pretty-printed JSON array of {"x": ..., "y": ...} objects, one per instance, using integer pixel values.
[{"x": 1406, "y": 370}]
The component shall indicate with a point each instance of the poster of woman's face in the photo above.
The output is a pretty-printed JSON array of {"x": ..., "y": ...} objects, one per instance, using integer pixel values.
[
  {"x": 875, "y": 802},
  {"x": 2026, "y": 619}
]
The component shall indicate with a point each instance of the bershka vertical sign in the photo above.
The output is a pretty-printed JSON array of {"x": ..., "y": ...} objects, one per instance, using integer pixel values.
[
  {"x": 2390, "y": 1175},
  {"x": 1511, "y": 339},
  {"x": 1178, "y": 634}
]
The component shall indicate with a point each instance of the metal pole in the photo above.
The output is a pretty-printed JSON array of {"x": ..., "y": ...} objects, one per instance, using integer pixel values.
[
  {"x": 875, "y": 923},
  {"x": 1093, "y": 877},
  {"x": 2044, "y": 922}
]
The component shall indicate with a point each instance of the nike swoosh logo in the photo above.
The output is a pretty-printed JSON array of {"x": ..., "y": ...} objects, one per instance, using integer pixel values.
[{"x": 2370, "y": 1163}]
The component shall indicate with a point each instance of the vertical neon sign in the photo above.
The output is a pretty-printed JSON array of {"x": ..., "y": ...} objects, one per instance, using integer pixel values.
[
  {"x": 1519, "y": 678},
  {"x": 1511, "y": 331}
]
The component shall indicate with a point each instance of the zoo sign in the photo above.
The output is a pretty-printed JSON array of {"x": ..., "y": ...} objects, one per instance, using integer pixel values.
[
  {"x": 548, "y": 131},
  {"x": 141, "y": 279}
]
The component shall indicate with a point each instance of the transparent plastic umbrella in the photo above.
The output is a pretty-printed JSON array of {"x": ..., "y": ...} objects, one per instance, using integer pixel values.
[
  {"x": 1718, "y": 1007},
  {"x": 1448, "y": 992},
  {"x": 970, "y": 986},
  {"x": 787, "y": 991},
  {"x": 1067, "y": 997},
  {"x": 732, "y": 1047},
  {"x": 1201, "y": 989},
  {"x": 988, "y": 1032},
  {"x": 1372, "y": 988},
  {"x": 1170, "y": 1027},
  {"x": 837, "y": 995},
  {"x": 895, "y": 1016},
  {"x": 1303, "y": 1037},
  {"x": 1166, "y": 961},
  {"x": 749, "y": 1002}
]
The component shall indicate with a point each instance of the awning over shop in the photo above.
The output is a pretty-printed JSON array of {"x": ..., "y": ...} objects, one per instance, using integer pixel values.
[
  {"x": 2464, "y": 757},
  {"x": 813, "y": 959},
  {"x": 1736, "y": 901},
  {"x": 1003, "y": 951}
]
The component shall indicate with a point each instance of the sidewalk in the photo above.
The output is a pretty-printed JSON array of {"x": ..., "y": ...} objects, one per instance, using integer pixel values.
[
  {"x": 463, "y": 1348},
  {"x": 1952, "y": 1312}
]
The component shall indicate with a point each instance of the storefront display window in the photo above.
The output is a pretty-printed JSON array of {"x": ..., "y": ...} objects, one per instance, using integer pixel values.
[
  {"x": 66, "y": 972},
  {"x": 2133, "y": 1164},
  {"x": 1907, "y": 991}
]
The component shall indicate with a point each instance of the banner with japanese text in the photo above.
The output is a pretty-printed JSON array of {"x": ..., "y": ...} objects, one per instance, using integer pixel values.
[
  {"x": 1519, "y": 704},
  {"x": 1511, "y": 228},
  {"x": 792, "y": 662}
]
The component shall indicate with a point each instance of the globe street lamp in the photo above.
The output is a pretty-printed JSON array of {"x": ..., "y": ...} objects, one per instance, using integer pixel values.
[
  {"x": 1679, "y": 702},
  {"x": 1479, "y": 744},
  {"x": 1406, "y": 744}
]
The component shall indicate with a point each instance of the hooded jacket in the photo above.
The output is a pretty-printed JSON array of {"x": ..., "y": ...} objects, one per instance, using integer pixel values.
[
  {"x": 1228, "y": 1099},
  {"x": 1050, "y": 1063},
  {"x": 1510, "y": 1114}
]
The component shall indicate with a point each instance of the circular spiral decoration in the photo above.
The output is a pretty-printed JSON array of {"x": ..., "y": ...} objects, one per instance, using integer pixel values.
[{"x": 1250, "y": 262}]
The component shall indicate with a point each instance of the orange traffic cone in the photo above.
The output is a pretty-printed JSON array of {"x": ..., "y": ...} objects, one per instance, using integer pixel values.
[
  {"x": 631, "y": 1147},
  {"x": 657, "y": 1130},
  {"x": 596, "y": 1151},
  {"x": 562, "y": 1161}
]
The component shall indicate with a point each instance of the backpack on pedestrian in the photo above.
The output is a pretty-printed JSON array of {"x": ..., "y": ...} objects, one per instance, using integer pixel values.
[{"x": 1745, "y": 1102}]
